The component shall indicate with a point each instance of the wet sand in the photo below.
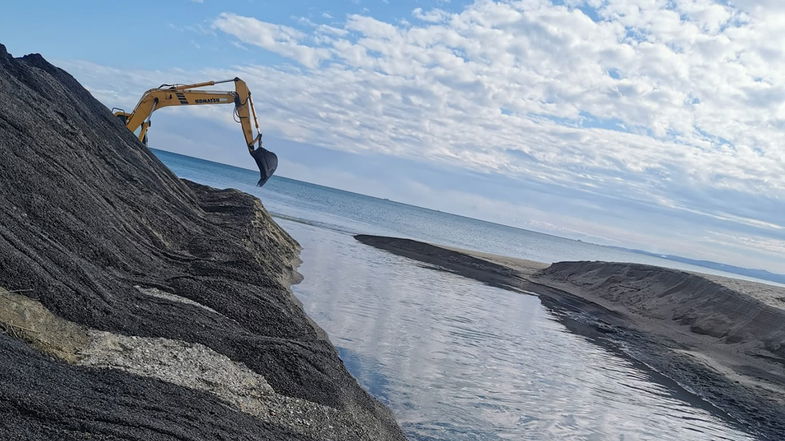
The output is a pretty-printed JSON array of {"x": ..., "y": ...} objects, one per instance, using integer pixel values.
[{"x": 721, "y": 340}]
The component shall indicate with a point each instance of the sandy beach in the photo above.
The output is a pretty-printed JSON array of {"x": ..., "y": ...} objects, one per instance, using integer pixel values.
[{"x": 720, "y": 339}]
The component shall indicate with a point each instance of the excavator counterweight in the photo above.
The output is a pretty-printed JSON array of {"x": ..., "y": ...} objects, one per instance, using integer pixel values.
[{"x": 166, "y": 95}]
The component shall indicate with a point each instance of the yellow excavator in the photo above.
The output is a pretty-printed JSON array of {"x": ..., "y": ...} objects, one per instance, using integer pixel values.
[{"x": 166, "y": 95}]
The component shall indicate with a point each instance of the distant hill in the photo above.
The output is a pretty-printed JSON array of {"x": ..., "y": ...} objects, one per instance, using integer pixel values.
[{"x": 748, "y": 272}]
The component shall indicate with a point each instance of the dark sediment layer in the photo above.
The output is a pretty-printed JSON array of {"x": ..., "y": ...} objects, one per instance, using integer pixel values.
[
  {"x": 722, "y": 343},
  {"x": 96, "y": 231}
]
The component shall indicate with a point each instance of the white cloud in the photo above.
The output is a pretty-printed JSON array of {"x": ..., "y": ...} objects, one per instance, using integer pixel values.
[
  {"x": 654, "y": 102},
  {"x": 689, "y": 79},
  {"x": 283, "y": 40},
  {"x": 433, "y": 15},
  {"x": 644, "y": 99}
]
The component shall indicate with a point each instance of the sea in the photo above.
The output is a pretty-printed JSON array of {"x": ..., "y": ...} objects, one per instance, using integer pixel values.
[{"x": 455, "y": 359}]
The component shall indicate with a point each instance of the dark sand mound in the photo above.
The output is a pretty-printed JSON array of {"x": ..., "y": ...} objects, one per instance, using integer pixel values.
[
  {"x": 706, "y": 307},
  {"x": 450, "y": 260},
  {"x": 90, "y": 222}
]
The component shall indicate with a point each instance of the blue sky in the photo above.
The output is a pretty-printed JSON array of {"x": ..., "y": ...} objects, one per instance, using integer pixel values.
[{"x": 648, "y": 124}]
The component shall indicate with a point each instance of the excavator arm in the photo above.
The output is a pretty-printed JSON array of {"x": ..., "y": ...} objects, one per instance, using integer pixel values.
[{"x": 167, "y": 95}]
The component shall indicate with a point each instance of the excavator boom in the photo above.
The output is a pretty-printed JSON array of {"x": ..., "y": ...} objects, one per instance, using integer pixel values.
[{"x": 138, "y": 121}]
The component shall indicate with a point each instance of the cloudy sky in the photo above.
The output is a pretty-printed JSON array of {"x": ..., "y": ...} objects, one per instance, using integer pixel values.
[{"x": 652, "y": 124}]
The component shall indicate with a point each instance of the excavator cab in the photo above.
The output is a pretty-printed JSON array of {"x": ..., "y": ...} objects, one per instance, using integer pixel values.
[{"x": 138, "y": 121}]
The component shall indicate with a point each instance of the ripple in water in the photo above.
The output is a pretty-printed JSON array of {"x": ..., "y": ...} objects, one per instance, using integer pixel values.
[{"x": 459, "y": 360}]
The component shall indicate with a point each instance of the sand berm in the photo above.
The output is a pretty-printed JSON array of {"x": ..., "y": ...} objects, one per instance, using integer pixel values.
[{"x": 137, "y": 306}]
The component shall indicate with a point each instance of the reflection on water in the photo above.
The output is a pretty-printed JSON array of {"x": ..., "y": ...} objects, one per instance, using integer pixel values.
[{"x": 458, "y": 360}]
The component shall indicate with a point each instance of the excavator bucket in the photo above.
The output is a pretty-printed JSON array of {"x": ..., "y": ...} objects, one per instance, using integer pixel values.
[{"x": 267, "y": 162}]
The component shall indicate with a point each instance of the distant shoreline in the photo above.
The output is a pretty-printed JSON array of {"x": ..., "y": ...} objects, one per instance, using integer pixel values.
[
  {"x": 721, "y": 339},
  {"x": 758, "y": 274}
]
